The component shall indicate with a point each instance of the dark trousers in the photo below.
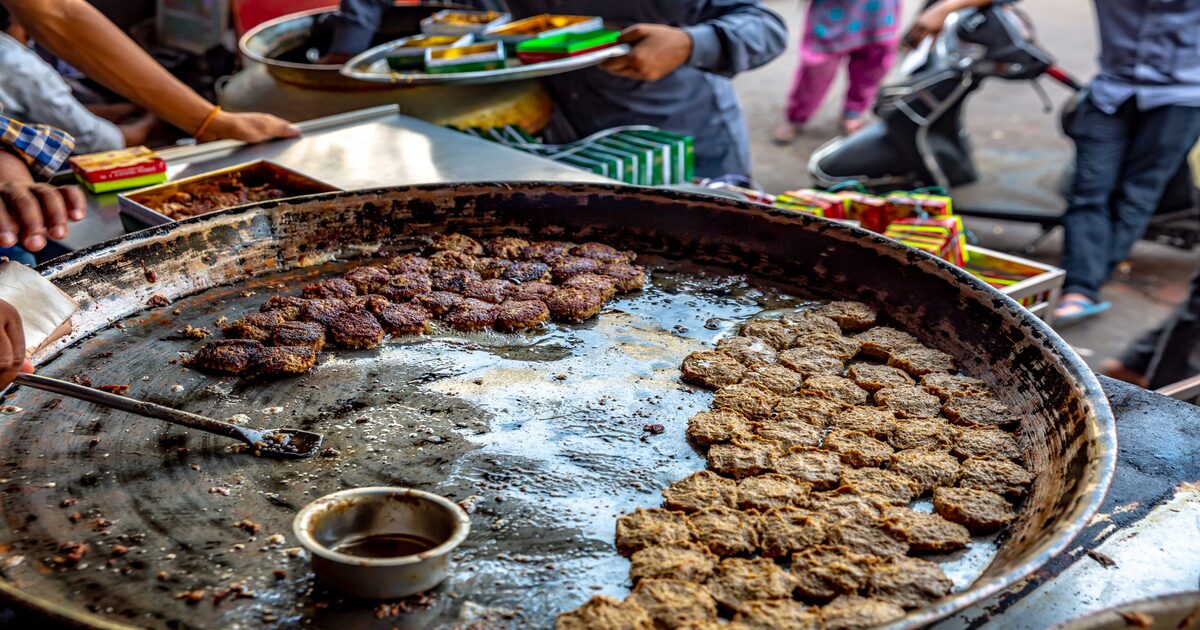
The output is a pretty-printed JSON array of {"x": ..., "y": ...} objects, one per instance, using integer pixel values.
[
  {"x": 1123, "y": 162},
  {"x": 1171, "y": 352}
]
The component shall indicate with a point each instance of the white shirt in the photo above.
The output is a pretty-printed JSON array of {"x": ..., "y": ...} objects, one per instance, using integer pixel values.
[{"x": 33, "y": 92}]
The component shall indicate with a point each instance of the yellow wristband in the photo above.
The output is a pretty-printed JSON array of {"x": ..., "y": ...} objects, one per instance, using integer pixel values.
[{"x": 207, "y": 121}]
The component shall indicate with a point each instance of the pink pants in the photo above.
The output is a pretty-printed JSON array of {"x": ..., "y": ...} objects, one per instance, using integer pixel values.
[{"x": 866, "y": 67}]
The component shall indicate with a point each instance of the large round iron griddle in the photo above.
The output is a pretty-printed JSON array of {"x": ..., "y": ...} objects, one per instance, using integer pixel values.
[{"x": 541, "y": 433}]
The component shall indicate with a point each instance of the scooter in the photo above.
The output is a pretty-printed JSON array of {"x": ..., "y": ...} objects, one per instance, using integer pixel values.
[{"x": 919, "y": 139}]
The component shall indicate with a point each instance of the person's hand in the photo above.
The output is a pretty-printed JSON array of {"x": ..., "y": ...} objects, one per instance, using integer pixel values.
[
  {"x": 248, "y": 127},
  {"x": 657, "y": 50},
  {"x": 12, "y": 345},
  {"x": 929, "y": 23},
  {"x": 32, "y": 212}
]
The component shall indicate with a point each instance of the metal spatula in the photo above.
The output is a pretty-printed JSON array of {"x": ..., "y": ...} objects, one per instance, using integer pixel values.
[{"x": 282, "y": 443}]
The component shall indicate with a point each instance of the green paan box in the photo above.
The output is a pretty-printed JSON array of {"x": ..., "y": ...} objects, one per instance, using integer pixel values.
[
  {"x": 644, "y": 157},
  {"x": 473, "y": 58},
  {"x": 682, "y": 152},
  {"x": 621, "y": 168},
  {"x": 586, "y": 164}
]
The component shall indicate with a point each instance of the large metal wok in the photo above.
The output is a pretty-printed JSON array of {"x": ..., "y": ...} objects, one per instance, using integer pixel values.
[{"x": 542, "y": 435}]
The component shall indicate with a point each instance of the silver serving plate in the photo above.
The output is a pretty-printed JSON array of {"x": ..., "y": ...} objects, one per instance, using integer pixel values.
[{"x": 371, "y": 67}]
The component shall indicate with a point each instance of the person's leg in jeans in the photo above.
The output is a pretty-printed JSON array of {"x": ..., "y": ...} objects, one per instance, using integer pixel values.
[
  {"x": 813, "y": 78},
  {"x": 1167, "y": 354},
  {"x": 1100, "y": 145},
  {"x": 1159, "y": 144},
  {"x": 867, "y": 67}
]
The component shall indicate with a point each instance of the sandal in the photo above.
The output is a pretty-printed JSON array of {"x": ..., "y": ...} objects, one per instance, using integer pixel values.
[{"x": 1087, "y": 310}]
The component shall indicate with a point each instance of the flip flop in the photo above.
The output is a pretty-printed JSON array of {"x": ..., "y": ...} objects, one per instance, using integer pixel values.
[{"x": 1088, "y": 309}]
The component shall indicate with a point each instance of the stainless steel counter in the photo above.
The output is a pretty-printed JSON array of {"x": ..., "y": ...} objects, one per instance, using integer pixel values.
[{"x": 370, "y": 147}]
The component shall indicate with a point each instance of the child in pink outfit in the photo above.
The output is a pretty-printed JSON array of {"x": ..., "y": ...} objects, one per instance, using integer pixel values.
[{"x": 865, "y": 33}]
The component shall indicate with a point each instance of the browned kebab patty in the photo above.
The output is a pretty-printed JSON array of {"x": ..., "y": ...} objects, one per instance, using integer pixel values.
[
  {"x": 649, "y": 527},
  {"x": 604, "y": 613},
  {"x": 452, "y": 259},
  {"x": 725, "y": 531},
  {"x": 749, "y": 351},
  {"x": 322, "y": 310},
  {"x": 534, "y": 291},
  {"x": 712, "y": 369},
  {"x": 545, "y": 251},
  {"x": 690, "y": 564},
  {"x": 453, "y": 280},
  {"x": 946, "y": 386},
  {"x": 875, "y": 422},
  {"x": 753, "y": 401},
  {"x": 771, "y": 490},
  {"x": 527, "y": 271},
  {"x": 515, "y": 315},
  {"x": 909, "y": 401},
  {"x": 995, "y": 475},
  {"x": 738, "y": 580},
  {"x": 720, "y": 425},
  {"x": 985, "y": 443},
  {"x": 889, "y": 485},
  {"x": 814, "y": 410},
  {"x": 371, "y": 302},
  {"x": 700, "y": 490},
  {"x": 853, "y": 612},
  {"x": 811, "y": 362},
  {"x": 457, "y": 242},
  {"x": 819, "y": 467},
  {"x": 929, "y": 467},
  {"x": 782, "y": 531},
  {"x": 980, "y": 511},
  {"x": 282, "y": 302},
  {"x": 773, "y": 332},
  {"x": 628, "y": 277},
  {"x": 603, "y": 253},
  {"x": 907, "y": 582},
  {"x": 493, "y": 291},
  {"x": 823, "y": 572},
  {"x": 742, "y": 457},
  {"x": 979, "y": 411},
  {"x": 438, "y": 303},
  {"x": 471, "y": 315},
  {"x": 874, "y": 377},
  {"x": 229, "y": 356},
  {"x": 881, "y": 341},
  {"x": 367, "y": 278},
  {"x": 256, "y": 326},
  {"x": 789, "y": 435},
  {"x": 355, "y": 329},
  {"x": 921, "y": 361},
  {"x": 310, "y": 334},
  {"x": 769, "y": 614},
  {"x": 566, "y": 268},
  {"x": 924, "y": 532},
  {"x": 674, "y": 603},
  {"x": 604, "y": 285},
  {"x": 409, "y": 263},
  {"x": 492, "y": 268},
  {"x": 574, "y": 305},
  {"x": 404, "y": 319},
  {"x": 505, "y": 247},
  {"x": 857, "y": 449},
  {"x": 330, "y": 288},
  {"x": 835, "y": 388},
  {"x": 406, "y": 286},
  {"x": 848, "y": 315},
  {"x": 285, "y": 360}
]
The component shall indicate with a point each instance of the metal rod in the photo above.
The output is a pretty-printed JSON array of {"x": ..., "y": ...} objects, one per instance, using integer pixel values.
[
  {"x": 1187, "y": 389},
  {"x": 132, "y": 405}
]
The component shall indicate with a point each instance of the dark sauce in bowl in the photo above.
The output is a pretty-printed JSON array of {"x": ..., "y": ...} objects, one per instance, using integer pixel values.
[{"x": 384, "y": 546}]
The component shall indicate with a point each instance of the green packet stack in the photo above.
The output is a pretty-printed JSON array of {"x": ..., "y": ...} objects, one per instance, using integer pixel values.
[{"x": 640, "y": 155}]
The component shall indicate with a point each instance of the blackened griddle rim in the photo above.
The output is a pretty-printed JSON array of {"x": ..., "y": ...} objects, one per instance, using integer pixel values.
[{"x": 944, "y": 305}]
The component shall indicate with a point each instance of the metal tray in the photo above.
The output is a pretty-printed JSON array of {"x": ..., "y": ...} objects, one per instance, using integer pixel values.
[
  {"x": 371, "y": 66},
  {"x": 136, "y": 206},
  {"x": 542, "y": 433},
  {"x": 1180, "y": 611}
]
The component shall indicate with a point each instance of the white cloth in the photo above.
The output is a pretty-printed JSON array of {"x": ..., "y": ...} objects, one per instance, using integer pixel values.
[
  {"x": 33, "y": 92},
  {"x": 45, "y": 310}
]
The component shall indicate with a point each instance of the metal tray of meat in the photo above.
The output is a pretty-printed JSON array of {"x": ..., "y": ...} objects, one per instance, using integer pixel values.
[
  {"x": 542, "y": 433},
  {"x": 138, "y": 208}
]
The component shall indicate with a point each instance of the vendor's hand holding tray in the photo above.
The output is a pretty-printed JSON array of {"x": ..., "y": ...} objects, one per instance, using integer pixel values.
[{"x": 371, "y": 66}]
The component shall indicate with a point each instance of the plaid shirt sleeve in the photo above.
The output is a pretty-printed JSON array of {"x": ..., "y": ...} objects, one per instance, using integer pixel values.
[{"x": 44, "y": 148}]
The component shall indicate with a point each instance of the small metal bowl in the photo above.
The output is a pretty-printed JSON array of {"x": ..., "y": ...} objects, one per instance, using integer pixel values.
[{"x": 347, "y": 518}]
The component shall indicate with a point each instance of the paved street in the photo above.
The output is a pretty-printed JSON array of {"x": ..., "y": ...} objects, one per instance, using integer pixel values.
[{"x": 1020, "y": 152}]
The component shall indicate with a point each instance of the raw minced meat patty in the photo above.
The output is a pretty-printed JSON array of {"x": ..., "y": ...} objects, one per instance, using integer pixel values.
[
  {"x": 921, "y": 361},
  {"x": 888, "y": 485},
  {"x": 823, "y": 572},
  {"x": 806, "y": 322},
  {"x": 908, "y": 582},
  {"x": 750, "y": 351},
  {"x": 923, "y": 432},
  {"x": 811, "y": 362},
  {"x": 782, "y": 531},
  {"x": 647, "y": 527},
  {"x": 946, "y": 386},
  {"x": 928, "y": 467},
  {"x": 833, "y": 344},
  {"x": 865, "y": 537},
  {"x": 851, "y": 612},
  {"x": 844, "y": 503},
  {"x": 995, "y": 475},
  {"x": 674, "y": 603},
  {"x": 836, "y": 388},
  {"x": 775, "y": 378},
  {"x": 742, "y": 457},
  {"x": 909, "y": 401},
  {"x": 789, "y": 435},
  {"x": 771, "y": 490},
  {"x": 979, "y": 411},
  {"x": 752, "y": 401},
  {"x": 874, "y": 377},
  {"x": 821, "y": 468},
  {"x": 604, "y": 613},
  {"x": 815, "y": 410},
  {"x": 980, "y": 511},
  {"x": 690, "y": 564},
  {"x": 712, "y": 369},
  {"x": 771, "y": 614},
  {"x": 857, "y": 449},
  {"x": 881, "y": 341},
  {"x": 721, "y": 425},
  {"x": 700, "y": 490},
  {"x": 875, "y": 422},
  {"x": 848, "y": 315},
  {"x": 986, "y": 443},
  {"x": 725, "y": 531},
  {"x": 923, "y": 531},
  {"x": 773, "y": 332},
  {"x": 738, "y": 580}
]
